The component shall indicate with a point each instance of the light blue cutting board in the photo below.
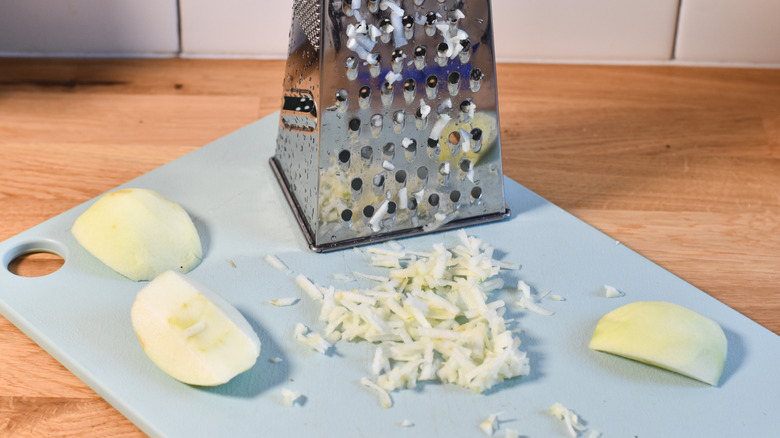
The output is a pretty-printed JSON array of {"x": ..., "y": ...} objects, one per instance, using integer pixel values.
[{"x": 81, "y": 315}]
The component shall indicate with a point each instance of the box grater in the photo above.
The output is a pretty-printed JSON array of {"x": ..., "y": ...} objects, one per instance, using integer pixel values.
[{"x": 389, "y": 122}]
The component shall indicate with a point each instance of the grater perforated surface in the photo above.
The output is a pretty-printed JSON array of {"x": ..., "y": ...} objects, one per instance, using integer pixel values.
[{"x": 391, "y": 125}]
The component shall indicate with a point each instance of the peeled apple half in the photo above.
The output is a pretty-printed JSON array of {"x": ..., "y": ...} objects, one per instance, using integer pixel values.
[
  {"x": 192, "y": 333},
  {"x": 665, "y": 335},
  {"x": 139, "y": 233}
]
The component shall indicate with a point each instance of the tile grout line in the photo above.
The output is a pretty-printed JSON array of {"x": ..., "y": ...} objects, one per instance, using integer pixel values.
[
  {"x": 676, "y": 33},
  {"x": 179, "y": 50}
]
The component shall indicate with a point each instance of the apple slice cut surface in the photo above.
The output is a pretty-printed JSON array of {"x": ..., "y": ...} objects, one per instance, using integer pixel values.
[
  {"x": 192, "y": 333},
  {"x": 665, "y": 335}
]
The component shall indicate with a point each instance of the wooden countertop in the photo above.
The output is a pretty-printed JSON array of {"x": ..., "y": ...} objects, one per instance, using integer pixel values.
[{"x": 680, "y": 164}]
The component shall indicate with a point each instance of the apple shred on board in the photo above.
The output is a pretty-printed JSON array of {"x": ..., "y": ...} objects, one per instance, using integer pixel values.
[{"x": 430, "y": 317}]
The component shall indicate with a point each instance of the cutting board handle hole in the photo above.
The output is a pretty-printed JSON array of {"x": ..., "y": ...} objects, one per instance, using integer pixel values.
[{"x": 35, "y": 258}]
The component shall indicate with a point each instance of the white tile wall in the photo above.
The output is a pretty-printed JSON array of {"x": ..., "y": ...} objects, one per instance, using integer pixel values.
[
  {"x": 249, "y": 28},
  {"x": 612, "y": 30},
  {"x": 89, "y": 27},
  {"x": 729, "y": 31},
  {"x": 710, "y": 31}
]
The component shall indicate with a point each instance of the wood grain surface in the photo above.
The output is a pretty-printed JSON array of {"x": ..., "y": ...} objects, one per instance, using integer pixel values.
[{"x": 680, "y": 164}]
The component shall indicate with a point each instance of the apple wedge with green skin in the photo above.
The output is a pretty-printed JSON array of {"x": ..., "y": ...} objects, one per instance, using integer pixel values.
[
  {"x": 665, "y": 335},
  {"x": 192, "y": 333},
  {"x": 139, "y": 233}
]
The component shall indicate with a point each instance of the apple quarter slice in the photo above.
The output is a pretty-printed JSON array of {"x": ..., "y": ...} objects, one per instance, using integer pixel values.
[
  {"x": 192, "y": 333},
  {"x": 139, "y": 233},
  {"x": 665, "y": 335}
]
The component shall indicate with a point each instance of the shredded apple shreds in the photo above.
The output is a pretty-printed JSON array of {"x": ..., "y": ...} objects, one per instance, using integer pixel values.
[{"x": 430, "y": 318}]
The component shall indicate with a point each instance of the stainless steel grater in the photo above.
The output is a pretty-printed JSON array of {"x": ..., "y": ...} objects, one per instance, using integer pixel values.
[{"x": 389, "y": 123}]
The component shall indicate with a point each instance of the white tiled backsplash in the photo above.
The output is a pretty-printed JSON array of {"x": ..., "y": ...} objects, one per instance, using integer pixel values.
[{"x": 595, "y": 31}]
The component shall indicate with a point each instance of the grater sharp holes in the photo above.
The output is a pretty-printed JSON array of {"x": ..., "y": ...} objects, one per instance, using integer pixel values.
[
  {"x": 356, "y": 184},
  {"x": 400, "y": 176},
  {"x": 465, "y": 51},
  {"x": 455, "y": 196},
  {"x": 387, "y": 93},
  {"x": 354, "y": 125},
  {"x": 454, "y": 141},
  {"x": 389, "y": 149},
  {"x": 476, "y": 138},
  {"x": 475, "y": 79},
  {"x": 391, "y": 207},
  {"x": 367, "y": 153},
  {"x": 379, "y": 180},
  {"x": 344, "y": 156},
  {"x": 376, "y": 125},
  {"x": 346, "y": 215},
  {"x": 433, "y": 199},
  {"x": 476, "y": 193},
  {"x": 412, "y": 204},
  {"x": 419, "y": 57},
  {"x": 431, "y": 86},
  {"x": 398, "y": 121},
  {"x": 368, "y": 210},
  {"x": 422, "y": 173}
]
